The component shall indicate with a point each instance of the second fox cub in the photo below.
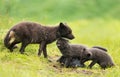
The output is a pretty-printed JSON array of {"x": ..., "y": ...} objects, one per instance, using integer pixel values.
[
  {"x": 100, "y": 56},
  {"x": 31, "y": 32},
  {"x": 69, "y": 51}
]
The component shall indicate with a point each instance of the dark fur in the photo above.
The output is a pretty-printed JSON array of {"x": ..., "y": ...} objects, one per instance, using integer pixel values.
[
  {"x": 70, "y": 50},
  {"x": 98, "y": 56},
  {"x": 75, "y": 62},
  {"x": 104, "y": 49},
  {"x": 30, "y": 32}
]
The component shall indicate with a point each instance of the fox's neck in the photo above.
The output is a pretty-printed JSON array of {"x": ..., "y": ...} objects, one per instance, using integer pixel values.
[
  {"x": 51, "y": 34},
  {"x": 64, "y": 48}
]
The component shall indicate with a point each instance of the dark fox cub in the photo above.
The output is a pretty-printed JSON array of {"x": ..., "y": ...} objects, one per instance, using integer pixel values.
[
  {"x": 70, "y": 52},
  {"x": 75, "y": 62},
  {"x": 34, "y": 33},
  {"x": 100, "y": 56}
]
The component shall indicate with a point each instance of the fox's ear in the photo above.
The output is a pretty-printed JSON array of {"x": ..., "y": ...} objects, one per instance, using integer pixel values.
[
  {"x": 84, "y": 49},
  {"x": 89, "y": 55},
  {"x": 62, "y": 25}
]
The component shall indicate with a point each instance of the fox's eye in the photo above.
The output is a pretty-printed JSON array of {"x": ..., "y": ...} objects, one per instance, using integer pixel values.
[{"x": 69, "y": 32}]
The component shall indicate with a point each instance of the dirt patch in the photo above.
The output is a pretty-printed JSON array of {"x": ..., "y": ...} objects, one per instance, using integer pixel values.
[
  {"x": 56, "y": 67},
  {"x": 87, "y": 72}
]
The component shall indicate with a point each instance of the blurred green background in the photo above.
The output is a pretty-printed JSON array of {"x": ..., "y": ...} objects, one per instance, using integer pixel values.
[{"x": 60, "y": 10}]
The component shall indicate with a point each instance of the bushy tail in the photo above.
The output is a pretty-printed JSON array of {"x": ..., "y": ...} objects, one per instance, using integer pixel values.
[
  {"x": 7, "y": 39},
  {"x": 104, "y": 49}
]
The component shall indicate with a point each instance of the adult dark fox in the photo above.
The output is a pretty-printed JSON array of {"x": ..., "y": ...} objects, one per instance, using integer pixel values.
[{"x": 34, "y": 33}]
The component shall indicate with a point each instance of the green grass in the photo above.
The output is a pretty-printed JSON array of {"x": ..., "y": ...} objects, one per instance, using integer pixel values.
[{"x": 89, "y": 32}]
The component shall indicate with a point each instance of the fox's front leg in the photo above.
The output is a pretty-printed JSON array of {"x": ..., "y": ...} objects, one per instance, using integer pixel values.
[
  {"x": 68, "y": 60},
  {"x": 23, "y": 46},
  {"x": 42, "y": 47},
  {"x": 92, "y": 64},
  {"x": 45, "y": 51}
]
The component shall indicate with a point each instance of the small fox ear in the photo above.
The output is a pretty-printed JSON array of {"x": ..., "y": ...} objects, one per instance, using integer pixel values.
[
  {"x": 89, "y": 55},
  {"x": 84, "y": 49},
  {"x": 62, "y": 25}
]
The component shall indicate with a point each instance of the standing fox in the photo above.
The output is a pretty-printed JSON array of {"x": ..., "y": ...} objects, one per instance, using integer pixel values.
[{"x": 34, "y": 33}]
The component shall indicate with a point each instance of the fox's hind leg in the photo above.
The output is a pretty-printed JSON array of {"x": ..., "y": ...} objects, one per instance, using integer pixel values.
[{"x": 103, "y": 65}]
